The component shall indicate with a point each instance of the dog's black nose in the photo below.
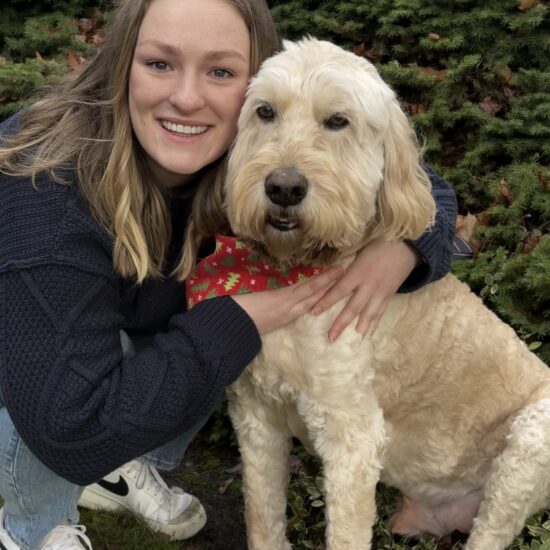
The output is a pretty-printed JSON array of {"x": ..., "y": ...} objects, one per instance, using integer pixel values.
[{"x": 285, "y": 186}]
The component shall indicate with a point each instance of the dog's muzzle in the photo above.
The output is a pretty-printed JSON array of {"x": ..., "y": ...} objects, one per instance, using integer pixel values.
[{"x": 285, "y": 187}]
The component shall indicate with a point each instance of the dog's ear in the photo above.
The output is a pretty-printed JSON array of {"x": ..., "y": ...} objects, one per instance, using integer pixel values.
[{"x": 406, "y": 207}]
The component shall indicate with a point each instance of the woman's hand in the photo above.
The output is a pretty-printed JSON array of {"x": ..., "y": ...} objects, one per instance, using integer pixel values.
[
  {"x": 372, "y": 279},
  {"x": 273, "y": 309}
]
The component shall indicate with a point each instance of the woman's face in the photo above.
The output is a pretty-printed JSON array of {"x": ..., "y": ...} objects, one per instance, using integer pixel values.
[{"x": 187, "y": 83}]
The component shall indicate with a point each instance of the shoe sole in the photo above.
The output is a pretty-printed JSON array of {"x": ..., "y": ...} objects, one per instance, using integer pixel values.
[{"x": 98, "y": 501}]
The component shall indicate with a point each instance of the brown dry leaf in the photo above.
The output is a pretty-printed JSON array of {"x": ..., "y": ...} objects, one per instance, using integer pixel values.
[
  {"x": 417, "y": 108},
  {"x": 434, "y": 36},
  {"x": 2, "y": 60},
  {"x": 85, "y": 25},
  {"x": 506, "y": 74},
  {"x": 38, "y": 56},
  {"x": 75, "y": 62},
  {"x": 98, "y": 38},
  {"x": 505, "y": 191},
  {"x": 438, "y": 73},
  {"x": 483, "y": 219},
  {"x": 524, "y": 5},
  {"x": 224, "y": 485},
  {"x": 370, "y": 54},
  {"x": 465, "y": 226},
  {"x": 531, "y": 243},
  {"x": 544, "y": 181},
  {"x": 490, "y": 106}
]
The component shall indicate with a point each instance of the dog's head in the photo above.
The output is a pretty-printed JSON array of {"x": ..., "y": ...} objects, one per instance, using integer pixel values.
[{"x": 324, "y": 159}]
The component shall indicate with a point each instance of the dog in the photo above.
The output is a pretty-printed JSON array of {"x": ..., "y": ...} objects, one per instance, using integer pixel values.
[{"x": 442, "y": 401}]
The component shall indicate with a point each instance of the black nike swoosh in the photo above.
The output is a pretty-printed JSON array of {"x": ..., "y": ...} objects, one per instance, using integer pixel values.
[{"x": 119, "y": 488}]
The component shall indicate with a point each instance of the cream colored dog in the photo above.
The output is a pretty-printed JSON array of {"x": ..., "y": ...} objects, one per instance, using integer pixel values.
[{"x": 443, "y": 400}]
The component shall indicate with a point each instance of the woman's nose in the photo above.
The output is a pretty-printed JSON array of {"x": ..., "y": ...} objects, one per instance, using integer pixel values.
[{"x": 188, "y": 93}]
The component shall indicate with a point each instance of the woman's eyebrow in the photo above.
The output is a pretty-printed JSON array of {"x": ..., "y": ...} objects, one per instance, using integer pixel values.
[{"x": 211, "y": 55}]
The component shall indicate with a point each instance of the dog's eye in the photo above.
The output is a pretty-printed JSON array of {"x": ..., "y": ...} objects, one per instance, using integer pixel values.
[
  {"x": 266, "y": 112},
  {"x": 337, "y": 121}
]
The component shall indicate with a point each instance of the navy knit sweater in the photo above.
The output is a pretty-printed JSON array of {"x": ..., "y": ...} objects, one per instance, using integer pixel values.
[{"x": 79, "y": 405}]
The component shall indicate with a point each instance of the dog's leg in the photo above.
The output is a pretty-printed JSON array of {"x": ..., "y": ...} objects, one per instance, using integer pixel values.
[
  {"x": 265, "y": 454},
  {"x": 349, "y": 441},
  {"x": 519, "y": 484}
]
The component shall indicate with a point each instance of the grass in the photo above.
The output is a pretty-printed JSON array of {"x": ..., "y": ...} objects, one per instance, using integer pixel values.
[{"x": 209, "y": 473}]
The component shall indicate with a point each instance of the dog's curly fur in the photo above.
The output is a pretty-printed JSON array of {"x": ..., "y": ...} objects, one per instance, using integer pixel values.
[{"x": 443, "y": 400}]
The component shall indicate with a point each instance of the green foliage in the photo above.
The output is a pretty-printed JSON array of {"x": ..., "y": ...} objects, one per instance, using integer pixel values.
[
  {"x": 475, "y": 78},
  {"x": 35, "y": 40}
]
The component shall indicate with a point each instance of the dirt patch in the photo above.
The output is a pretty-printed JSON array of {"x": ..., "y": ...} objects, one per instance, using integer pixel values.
[{"x": 210, "y": 472}]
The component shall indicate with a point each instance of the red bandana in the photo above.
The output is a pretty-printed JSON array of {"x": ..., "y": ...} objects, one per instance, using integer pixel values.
[{"x": 234, "y": 269}]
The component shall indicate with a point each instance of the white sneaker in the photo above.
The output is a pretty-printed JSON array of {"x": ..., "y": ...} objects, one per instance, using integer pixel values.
[
  {"x": 66, "y": 537},
  {"x": 62, "y": 537},
  {"x": 138, "y": 487}
]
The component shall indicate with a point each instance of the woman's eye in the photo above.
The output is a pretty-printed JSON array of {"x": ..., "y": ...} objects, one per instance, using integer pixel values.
[
  {"x": 222, "y": 73},
  {"x": 266, "y": 112},
  {"x": 337, "y": 121},
  {"x": 158, "y": 66}
]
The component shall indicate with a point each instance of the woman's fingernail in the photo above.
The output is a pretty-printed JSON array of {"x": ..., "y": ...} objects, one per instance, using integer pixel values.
[{"x": 317, "y": 310}]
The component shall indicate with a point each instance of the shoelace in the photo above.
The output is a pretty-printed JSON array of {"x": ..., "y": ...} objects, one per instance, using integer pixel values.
[
  {"x": 148, "y": 478},
  {"x": 63, "y": 537}
]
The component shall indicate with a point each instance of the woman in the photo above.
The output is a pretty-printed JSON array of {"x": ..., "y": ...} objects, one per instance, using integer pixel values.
[{"x": 97, "y": 181}]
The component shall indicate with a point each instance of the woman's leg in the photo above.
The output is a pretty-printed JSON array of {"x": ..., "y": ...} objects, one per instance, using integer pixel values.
[{"x": 35, "y": 499}]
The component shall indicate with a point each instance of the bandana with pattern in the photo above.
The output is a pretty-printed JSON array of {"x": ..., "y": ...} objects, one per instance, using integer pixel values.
[{"x": 235, "y": 269}]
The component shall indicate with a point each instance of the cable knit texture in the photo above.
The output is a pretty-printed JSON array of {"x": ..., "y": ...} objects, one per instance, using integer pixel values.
[{"x": 79, "y": 405}]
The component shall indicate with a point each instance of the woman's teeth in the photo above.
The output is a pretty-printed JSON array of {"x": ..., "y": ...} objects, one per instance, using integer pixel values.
[{"x": 184, "y": 130}]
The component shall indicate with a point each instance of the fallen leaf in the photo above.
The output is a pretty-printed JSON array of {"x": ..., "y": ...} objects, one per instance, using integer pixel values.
[
  {"x": 465, "y": 226},
  {"x": 505, "y": 191},
  {"x": 438, "y": 73},
  {"x": 98, "y": 38},
  {"x": 72, "y": 62},
  {"x": 85, "y": 25},
  {"x": 531, "y": 243},
  {"x": 506, "y": 74},
  {"x": 224, "y": 485},
  {"x": 362, "y": 51},
  {"x": 2, "y": 60},
  {"x": 483, "y": 219},
  {"x": 524, "y": 5},
  {"x": 38, "y": 56},
  {"x": 417, "y": 108},
  {"x": 434, "y": 36},
  {"x": 544, "y": 181},
  {"x": 490, "y": 106}
]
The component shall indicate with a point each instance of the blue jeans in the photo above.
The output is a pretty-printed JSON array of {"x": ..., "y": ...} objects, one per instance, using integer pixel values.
[{"x": 37, "y": 499}]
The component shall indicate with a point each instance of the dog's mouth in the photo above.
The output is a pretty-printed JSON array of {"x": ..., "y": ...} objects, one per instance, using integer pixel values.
[{"x": 284, "y": 223}]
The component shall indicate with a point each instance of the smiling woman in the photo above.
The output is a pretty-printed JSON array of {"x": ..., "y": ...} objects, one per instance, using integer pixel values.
[{"x": 186, "y": 89}]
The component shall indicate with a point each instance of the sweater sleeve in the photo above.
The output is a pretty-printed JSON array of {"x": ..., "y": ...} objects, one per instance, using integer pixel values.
[{"x": 435, "y": 246}]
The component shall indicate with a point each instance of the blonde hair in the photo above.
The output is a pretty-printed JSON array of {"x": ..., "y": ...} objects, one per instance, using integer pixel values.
[{"x": 84, "y": 125}]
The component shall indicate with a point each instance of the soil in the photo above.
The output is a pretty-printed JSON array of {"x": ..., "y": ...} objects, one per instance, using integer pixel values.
[{"x": 212, "y": 474}]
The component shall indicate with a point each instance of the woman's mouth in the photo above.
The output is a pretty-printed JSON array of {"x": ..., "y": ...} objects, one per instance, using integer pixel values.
[{"x": 183, "y": 129}]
